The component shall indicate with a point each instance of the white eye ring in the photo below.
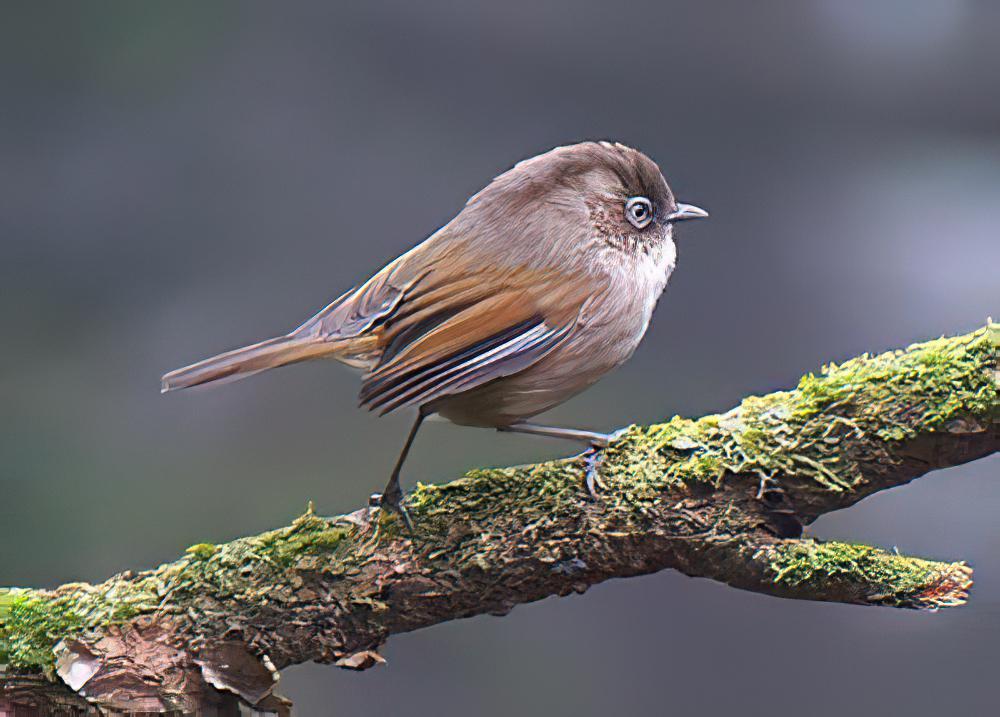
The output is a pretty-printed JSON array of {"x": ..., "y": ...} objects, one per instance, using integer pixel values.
[{"x": 639, "y": 212}]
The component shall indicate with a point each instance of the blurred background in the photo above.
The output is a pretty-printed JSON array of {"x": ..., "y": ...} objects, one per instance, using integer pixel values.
[{"x": 178, "y": 179}]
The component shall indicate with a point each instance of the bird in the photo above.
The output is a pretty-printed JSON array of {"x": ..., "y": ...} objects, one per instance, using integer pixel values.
[{"x": 544, "y": 282}]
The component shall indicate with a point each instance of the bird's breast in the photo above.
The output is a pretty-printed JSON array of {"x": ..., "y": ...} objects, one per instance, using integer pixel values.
[
  {"x": 608, "y": 331},
  {"x": 636, "y": 281}
]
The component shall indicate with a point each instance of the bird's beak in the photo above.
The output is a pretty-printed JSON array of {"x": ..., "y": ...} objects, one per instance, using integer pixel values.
[{"x": 685, "y": 212}]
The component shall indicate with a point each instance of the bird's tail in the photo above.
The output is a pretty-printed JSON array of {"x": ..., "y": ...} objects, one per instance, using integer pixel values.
[{"x": 244, "y": 362}]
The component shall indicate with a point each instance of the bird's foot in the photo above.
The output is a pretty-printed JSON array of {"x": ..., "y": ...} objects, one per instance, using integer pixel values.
[
  {"x": 593, "y": 457},
  {"x": 392, "y": 501}
]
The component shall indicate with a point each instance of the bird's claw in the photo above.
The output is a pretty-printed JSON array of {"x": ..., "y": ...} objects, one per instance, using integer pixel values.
[
  {"x": 592, "y": 462},
  {"x": 593, "y": 457},
  {"x": 393, "y": 502}
]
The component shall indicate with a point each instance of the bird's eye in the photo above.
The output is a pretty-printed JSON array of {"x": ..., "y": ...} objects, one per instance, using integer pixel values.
[{"x": 639, "y": 212}]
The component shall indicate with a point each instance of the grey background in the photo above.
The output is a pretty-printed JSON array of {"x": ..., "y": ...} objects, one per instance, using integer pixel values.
[{"x": 180, "y": 178}]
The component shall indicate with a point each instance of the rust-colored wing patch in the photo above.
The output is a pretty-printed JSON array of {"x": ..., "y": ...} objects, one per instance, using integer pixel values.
[{"x": 448, "y": 337}]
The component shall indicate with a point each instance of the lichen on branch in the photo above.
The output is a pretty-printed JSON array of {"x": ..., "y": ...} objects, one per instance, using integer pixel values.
[
  {"x": 882, "y": 577},
  {"x": 724, "y": 496}
]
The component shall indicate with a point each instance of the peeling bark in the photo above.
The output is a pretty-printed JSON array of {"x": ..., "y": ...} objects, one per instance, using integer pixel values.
[{"x": 723, "y": 497}]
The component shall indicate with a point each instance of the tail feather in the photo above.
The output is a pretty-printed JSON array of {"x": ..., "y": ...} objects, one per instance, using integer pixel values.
[{"x": 245, "y": 362}]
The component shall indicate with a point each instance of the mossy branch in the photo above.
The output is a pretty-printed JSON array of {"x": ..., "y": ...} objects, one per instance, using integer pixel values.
[{"x": 724, "y": 497}]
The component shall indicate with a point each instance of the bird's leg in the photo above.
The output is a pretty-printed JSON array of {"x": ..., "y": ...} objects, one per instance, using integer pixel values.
[
  {"x": 594, "y": 455},
  {"x": 599, "y": 440},
  {"x": 392, "y": 496}
]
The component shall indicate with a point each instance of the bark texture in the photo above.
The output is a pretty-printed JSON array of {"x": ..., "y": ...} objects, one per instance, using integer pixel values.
[{"x": 724, "y": 497}]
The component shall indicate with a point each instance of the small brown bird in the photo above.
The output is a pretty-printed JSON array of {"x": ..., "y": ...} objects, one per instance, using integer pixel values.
[{"x": 543, "y": 283}]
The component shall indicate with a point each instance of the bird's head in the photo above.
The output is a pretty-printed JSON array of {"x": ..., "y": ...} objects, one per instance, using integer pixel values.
[{"x": 590, "y": 192}]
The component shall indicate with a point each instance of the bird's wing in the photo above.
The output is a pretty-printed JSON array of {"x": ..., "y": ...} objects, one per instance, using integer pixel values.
[
  {"x": 357, "y": 310},
  {"x": 355, "y": 319},
  {"x": 448, "y": 335}
]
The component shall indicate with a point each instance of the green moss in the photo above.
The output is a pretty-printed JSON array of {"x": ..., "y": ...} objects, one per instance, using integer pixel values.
[
  {"x": 892, "y": 579},
  {"x": 313, "y": 542},
  {"x": 308, "y": 535},
  {"x": 31, "y": 626},
  {"x": 546, "y": 486},
  {"x": 7, "y": 597},
  {"x": 39, "y": 625},
  {"x": 202, "y": 551},
  {"x": 32, "y": 622},
  {"x": 874, "y": 401},
  {"x": 871, "y": 399}
]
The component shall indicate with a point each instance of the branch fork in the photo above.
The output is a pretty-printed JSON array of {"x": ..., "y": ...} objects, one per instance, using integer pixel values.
[{"x": 723, "y": 497}]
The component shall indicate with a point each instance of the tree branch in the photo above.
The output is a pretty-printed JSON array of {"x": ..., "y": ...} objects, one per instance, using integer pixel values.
[{"x": 723, "y": 497}]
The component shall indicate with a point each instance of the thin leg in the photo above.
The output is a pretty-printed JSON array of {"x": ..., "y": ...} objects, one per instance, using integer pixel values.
[
  {"x": 598, "y": 440},
  {"x": 392, "y": 496},
  {"x": 594, "y": 455}
]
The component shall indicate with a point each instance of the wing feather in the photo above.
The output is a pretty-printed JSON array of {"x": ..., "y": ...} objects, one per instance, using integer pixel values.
[
  {"x": 423, "y": 332},
  {"x": 499, "y": 356},
  {"x": 450, "y": 337}
]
